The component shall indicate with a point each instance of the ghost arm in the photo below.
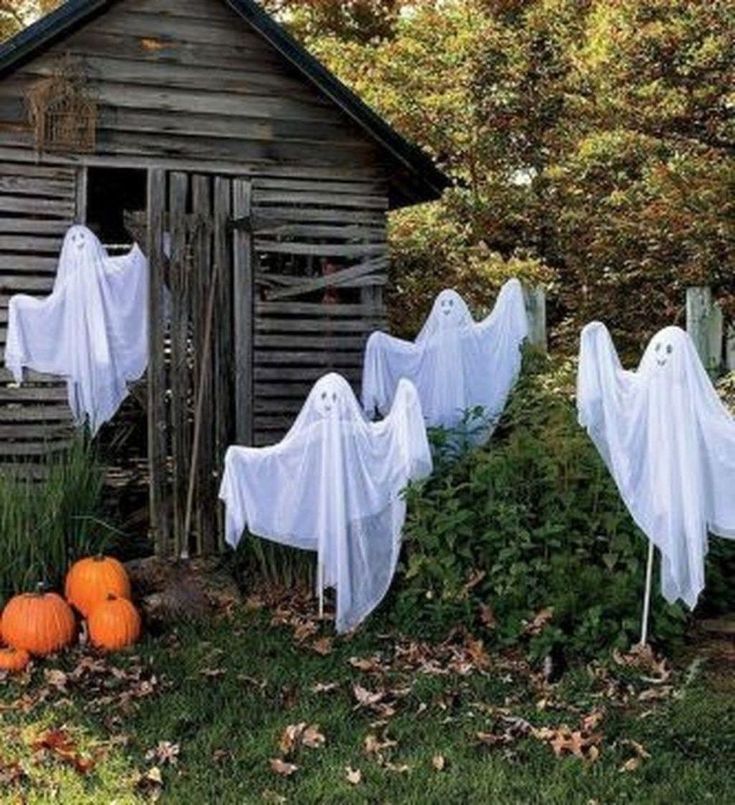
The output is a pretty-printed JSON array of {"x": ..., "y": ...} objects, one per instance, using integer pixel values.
[
  {"x": 717, "y": 429},
  {"x": 508, "y": 319},
  {"x": 405, "y": 428},
  {"x": 271, "y": 491},
  {"x": 35, "y": 337},
  {"x": 387, "y": 360},
  {"x": 124, "y": 289}
]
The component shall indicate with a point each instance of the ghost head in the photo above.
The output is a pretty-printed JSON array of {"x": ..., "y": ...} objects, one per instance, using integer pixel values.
[
  {"x": 331, "y": 397},
  {"x": 450, "y": 309},
  {"x": 667, "y": 355},
  {"x": 80, "y": 251}
]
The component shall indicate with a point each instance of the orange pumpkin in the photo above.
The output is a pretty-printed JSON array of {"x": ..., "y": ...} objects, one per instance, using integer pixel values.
[
  {"x": 13, "y": 660},
  {"x": 91, "y": 580},
  {"x": 39, "y": 623},
  {"x": 114, "y": 624}
]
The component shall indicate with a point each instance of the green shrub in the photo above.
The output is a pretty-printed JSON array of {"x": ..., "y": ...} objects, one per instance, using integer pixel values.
[
  {"x": 44, "y": 526},
  {"x": 532, "y": 521}
]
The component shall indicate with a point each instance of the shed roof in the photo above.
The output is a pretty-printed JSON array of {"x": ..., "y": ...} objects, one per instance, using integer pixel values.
[{"x": 416, "y": 179}]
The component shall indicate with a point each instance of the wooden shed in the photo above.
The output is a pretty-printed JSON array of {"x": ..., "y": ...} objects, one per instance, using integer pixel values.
[{"x": 246, "y": 167}]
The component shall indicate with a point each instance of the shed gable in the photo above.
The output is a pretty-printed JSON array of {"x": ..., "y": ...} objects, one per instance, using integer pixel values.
[{"x": 194, "y": 81}]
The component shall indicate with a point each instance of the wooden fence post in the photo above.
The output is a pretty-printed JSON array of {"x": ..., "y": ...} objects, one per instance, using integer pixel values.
[
  {"x": 535, "y": 299},
  {"x": 705, "y": 326},
  {"x": 730, "y": 348}
]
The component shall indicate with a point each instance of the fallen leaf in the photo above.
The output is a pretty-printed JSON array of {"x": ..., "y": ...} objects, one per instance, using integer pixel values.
[
  {"x": 540, "y": 620},
  {"x": 325, "y": 687},
  {"x": 354, "y": 776},
  {"x": 487, "y": 617},
  {"x": 398, "y": 769},
  {"x": 281, "y": 767},
  {"x": 374, "y": 746},
  {"x": 631, "y": 765},
  {"x": 365, "y": 697},
  {"x": 322, "y": 646},
  {"x": 439, "y": 762},
  {"x": 165, "y": 753},
  {"x": 312, "y": 738}
]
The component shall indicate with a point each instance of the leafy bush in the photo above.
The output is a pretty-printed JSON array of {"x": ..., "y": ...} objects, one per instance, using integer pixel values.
[
  {"x": 44, "y": 526},
  {"x": 531, "y": 522}
]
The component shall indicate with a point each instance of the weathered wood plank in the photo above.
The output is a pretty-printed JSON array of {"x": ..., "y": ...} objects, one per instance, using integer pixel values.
[
  {"x": 32, "y": 394},
  {"x": 206, "y": 285},
  {"x": 315, "y": 309},
  {"x": 243, "y": 302},
  {"x": 320, "y": 325},
  {"x": 157, "y": 417},
  {"x": 33, "y": 226},
  {"x": 224, "y": 344},
  {"x": 39, "y": 431},
  {"x": 29, "y": 186},
  {"x": 34, "y": 245},
  {"x": 323, "y": 342},
  {"x": 295, "y": 357},
  {"x": 28, "y": 263},
  {"x": 24, "y": 282},
  {"x": 21, "y": 204},
  {"x": 333, "y": 201},
  {"x": 180, "y": 274},
  {"x": 309, "y": 286},
  {"x": 36, "y": 171},
  {"x": 36, "y": 413},
  {"x": 34, "y": 448},
  {"x": 25, "y": 153},
  {"x": 321, "y": 249}
]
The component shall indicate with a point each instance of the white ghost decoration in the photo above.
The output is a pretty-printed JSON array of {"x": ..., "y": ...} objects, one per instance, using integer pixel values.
[
  {"x": 669, "y": 443},
  {"x": 92, "y": 330},
  {"x": 456, "y": 363},
  {"x": 333, "y": 485}
]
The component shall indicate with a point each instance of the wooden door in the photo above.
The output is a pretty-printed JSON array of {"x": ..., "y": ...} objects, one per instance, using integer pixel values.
[{"x": 198, "y": 313}]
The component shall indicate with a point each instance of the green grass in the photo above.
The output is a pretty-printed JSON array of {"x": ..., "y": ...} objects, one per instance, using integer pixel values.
[{"x": 228, "y": 725}]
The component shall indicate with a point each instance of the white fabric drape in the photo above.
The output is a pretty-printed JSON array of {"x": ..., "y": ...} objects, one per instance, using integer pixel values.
[
  {"x": 669, "y": 443},
  {"x": 92, "y": 330},
  {"x": 333, "y": 485},
  {"x": 456, "y": 363}
]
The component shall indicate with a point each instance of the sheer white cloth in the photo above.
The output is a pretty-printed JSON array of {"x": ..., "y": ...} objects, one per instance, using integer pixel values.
[
  {"x": 333, "y": 485},
  {"x": 455, "y": 363},
  {"x": 669, "y": 443},
  {"x": 92, "y": 330}
]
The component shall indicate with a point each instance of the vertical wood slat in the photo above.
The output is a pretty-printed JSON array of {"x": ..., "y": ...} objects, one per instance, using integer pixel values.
[
  {"x": 243, "y": 299},
  {"x": 204, "y": 277},
  {"x": 180, "y": 376},
  {"x": 81, "y": 195},
  {"x": 157, "y": 418},
  {"x": 223, "y": 342}
]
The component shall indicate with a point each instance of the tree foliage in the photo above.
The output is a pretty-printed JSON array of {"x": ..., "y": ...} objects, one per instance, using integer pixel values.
[
  {"x": 17, "y": 14},
  {"x": 594, "y": 139}
]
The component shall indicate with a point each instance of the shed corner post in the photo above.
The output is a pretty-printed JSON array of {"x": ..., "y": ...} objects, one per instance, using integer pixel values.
[
  {"x": 243, "y": 290},
  {"x": 704, "y": 323},
  {"x": 157, "y": 419},
  {"x": 535, "y": 299}
]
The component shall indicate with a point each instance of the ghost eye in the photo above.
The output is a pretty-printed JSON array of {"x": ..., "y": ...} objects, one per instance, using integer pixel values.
[
  {"x": 334, "y": 397},
  {"x": 669, "y": 349},
  {"x": 324, "y": 395},
  {"x": 451, "y": 303},
  {"x": 658, "y": 347}
]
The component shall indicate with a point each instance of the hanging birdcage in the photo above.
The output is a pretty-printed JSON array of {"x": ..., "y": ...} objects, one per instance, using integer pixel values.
[{"x": 62, "y": 111}]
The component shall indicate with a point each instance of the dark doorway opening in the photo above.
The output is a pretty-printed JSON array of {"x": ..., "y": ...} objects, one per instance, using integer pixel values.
[{"x": 111, "y": 192}]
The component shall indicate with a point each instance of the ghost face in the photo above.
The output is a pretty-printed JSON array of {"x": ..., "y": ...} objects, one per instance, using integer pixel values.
[
  {"x": 450, "y": 309},
  {"x": 665, "y": 355},
  {"x": 78, "y": 239},
  {"x": 329, "y": 397}
]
